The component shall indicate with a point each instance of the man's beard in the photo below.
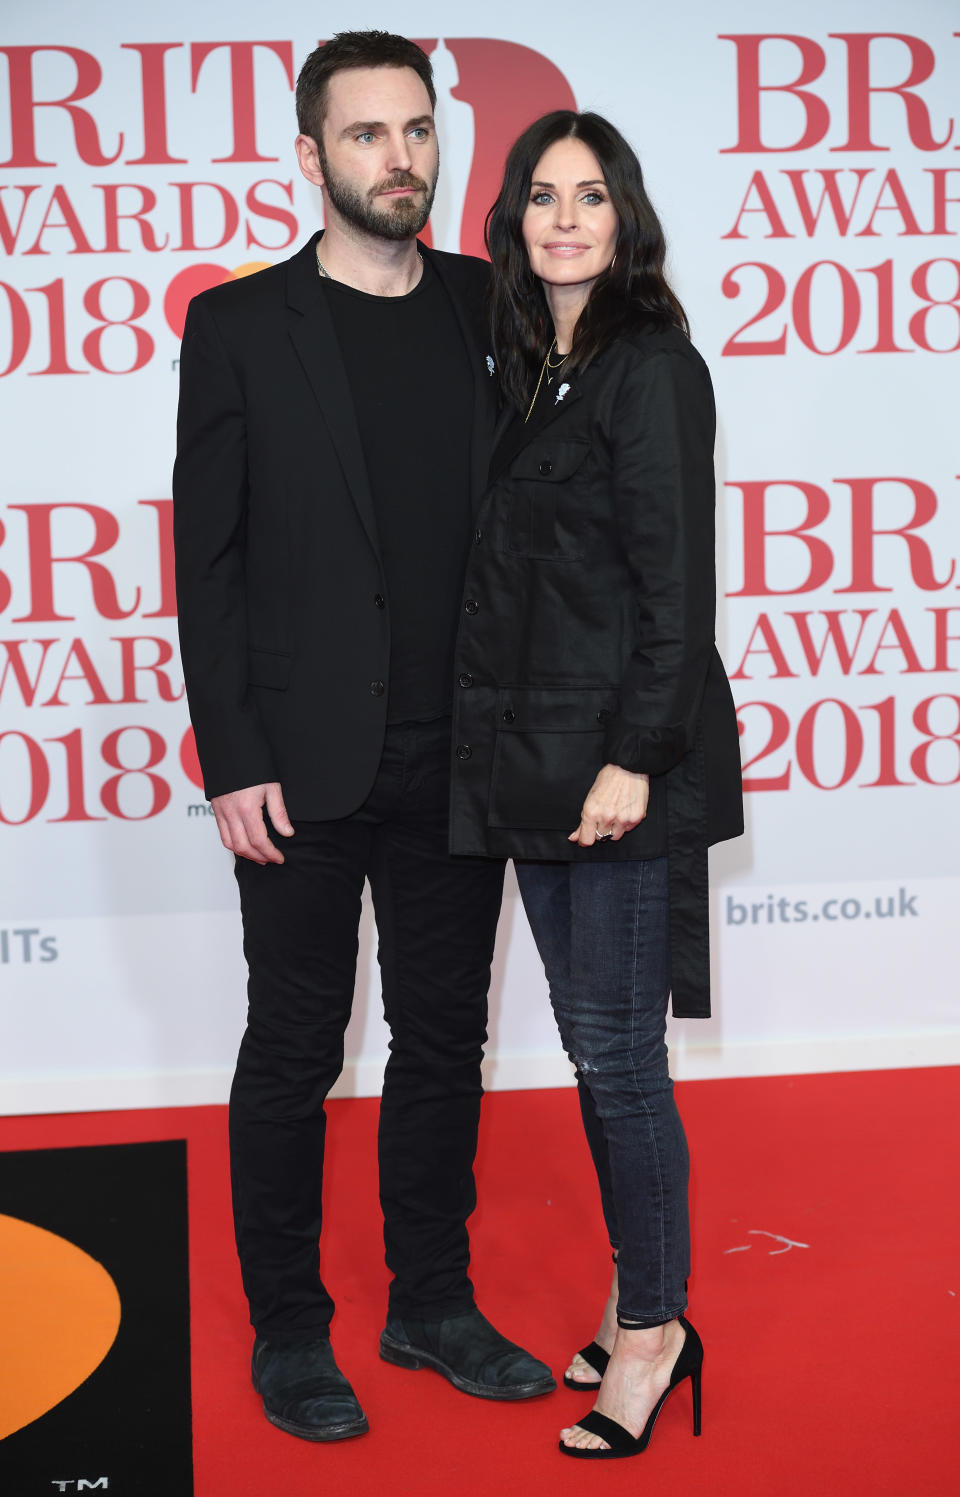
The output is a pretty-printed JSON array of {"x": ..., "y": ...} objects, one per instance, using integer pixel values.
[{"x": 401, "y": 218}]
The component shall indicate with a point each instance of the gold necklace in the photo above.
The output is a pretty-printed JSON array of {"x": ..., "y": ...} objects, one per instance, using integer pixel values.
[
  {"x": 326, "y": 276},
  {"x": 543, "y": 370}
]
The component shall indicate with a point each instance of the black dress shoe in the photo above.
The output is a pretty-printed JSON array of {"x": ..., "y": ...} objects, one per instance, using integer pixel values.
[
  {"x": 304, "y": 1392},
  {"x": 468, "y": 1351}
]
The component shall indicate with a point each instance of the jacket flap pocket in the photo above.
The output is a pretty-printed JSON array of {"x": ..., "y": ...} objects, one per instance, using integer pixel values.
[
  {"x": 574, "y": 709},
  {"x": 549, "y": 461},
  {"x": 267, "y": 668}
]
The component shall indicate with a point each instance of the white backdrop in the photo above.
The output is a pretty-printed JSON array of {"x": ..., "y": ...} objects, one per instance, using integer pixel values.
[{"x": 809, "y": 183}]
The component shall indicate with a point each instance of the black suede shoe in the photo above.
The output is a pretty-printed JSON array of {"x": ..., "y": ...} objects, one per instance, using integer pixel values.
[
  {"x": 468, "y": 1351},
  {"x": 304, "y": 1392}
]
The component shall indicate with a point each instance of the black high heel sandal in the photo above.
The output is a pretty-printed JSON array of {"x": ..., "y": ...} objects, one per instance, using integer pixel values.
[
  {"x": 596, "y": 1359},
  {"x": 689, "y": 1364}
]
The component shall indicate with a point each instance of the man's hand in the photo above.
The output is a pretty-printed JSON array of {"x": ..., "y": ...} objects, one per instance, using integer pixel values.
[
  {"x": 616, "y": 803},
  {"x": 242, "y": 828}
]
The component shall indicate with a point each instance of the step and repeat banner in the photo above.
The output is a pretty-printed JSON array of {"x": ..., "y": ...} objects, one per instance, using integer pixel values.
[{"x": 808, "y": 178}]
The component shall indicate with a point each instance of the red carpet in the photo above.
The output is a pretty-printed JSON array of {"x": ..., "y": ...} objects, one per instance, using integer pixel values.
[{"x": 830, "y": 1368}]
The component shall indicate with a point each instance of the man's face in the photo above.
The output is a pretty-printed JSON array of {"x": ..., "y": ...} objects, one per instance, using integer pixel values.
[{"x": 378, "y": 157}]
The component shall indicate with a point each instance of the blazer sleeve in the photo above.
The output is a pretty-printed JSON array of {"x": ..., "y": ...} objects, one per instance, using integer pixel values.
[
  {"x": 663, "y": 427},
  {"x": 210, "y": 495}
]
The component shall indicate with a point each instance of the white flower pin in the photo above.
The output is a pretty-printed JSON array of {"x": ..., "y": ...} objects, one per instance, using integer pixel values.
[
  {"x": 491, "y": 367},
  {"x": 561, "y": 393}
]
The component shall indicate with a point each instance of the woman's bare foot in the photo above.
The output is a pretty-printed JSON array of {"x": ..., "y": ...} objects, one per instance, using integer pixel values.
[
  {"x": 638, "y": 1374},
  {"x": 581, "y": 1371}
]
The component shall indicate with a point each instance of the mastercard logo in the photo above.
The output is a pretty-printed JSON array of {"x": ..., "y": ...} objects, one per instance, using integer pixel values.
[{"x": 196, "y": 278}]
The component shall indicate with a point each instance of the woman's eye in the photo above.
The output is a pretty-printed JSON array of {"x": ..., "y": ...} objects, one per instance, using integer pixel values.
[
  {"x": 592, "y": 199},
  {"x": 540, "y": 198}
]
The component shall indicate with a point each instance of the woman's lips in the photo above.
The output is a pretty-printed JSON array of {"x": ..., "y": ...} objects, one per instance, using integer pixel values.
[{"x": 565, "y": 249}]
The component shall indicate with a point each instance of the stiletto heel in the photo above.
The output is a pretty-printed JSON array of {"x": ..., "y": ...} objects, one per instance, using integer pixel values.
[{"x": 689, "y": 1364}]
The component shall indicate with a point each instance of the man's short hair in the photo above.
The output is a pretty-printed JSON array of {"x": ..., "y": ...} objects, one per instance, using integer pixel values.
[{"x": 354, "y": 49}]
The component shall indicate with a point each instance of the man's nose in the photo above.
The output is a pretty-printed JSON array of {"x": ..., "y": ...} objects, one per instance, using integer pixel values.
[{"x": 398, "y": 155}]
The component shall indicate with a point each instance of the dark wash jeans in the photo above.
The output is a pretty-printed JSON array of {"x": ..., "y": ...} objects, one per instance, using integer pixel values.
[
  {"x": 436, "y": 922},
  {"x": 601, "y": 930}
]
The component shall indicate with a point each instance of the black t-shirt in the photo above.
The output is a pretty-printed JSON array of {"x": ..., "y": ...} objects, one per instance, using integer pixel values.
[{"x": 413, "y": 393}]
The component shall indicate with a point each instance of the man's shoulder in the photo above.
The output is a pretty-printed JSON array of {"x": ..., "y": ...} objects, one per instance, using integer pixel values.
[
  {"x": 467, "y": 274},
  {"x": 240, "y": 293}
]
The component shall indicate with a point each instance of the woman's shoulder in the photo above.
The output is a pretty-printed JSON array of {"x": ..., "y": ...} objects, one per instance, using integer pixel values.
[{"x": 638, "y": 345}]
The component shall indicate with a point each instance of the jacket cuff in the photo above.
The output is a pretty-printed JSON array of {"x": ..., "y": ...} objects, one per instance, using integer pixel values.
[{"x": 644, "y": 750}]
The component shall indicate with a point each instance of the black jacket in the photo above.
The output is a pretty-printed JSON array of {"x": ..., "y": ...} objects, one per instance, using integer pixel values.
[
  {"x": 587, "y": 635},
  {"x": 284, "y": 618}
]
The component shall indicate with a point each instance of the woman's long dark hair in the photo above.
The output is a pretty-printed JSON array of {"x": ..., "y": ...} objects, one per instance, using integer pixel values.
[{"x": 633, "y": 292}]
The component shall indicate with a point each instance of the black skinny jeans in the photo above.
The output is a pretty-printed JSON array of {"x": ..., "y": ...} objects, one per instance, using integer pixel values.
[{"x": 436, "y": 922}]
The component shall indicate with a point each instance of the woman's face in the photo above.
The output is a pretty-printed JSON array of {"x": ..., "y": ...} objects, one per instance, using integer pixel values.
[{"x": 570, "y": 225}]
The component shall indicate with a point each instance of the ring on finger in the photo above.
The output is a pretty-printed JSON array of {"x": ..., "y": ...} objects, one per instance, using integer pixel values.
[{"x": 602, "y": 836}]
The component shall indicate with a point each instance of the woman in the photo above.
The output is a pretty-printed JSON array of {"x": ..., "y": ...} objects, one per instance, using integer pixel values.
[{"x": 596, "y": 740}]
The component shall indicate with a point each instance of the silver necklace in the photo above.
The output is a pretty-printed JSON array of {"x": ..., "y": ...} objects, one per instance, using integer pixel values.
[{"x": 326, "y": 276}]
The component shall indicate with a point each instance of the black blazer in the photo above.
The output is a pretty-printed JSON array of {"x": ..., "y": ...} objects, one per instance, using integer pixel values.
[
  {"x": 284, "y": 618},
  {"x": 587, "y": 635}
]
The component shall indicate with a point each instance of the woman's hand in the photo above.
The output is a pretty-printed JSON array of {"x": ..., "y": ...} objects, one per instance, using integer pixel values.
[{"x": 616, "y": 803}]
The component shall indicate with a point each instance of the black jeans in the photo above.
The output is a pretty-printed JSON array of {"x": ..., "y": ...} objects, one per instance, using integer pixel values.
[
  {"x": 436, "y": 922},
  {"x": 601, "y": 930}
]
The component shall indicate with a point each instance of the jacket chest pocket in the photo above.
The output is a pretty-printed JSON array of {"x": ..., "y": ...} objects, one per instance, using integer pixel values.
[{"x": 543, "y": 518}]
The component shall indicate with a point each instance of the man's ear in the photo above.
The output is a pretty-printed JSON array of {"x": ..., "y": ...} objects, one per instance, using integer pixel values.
[{"x": 308, "y": 159}]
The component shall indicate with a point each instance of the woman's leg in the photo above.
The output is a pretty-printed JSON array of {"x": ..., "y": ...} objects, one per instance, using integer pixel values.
[{"x": 611, "y": 1008}]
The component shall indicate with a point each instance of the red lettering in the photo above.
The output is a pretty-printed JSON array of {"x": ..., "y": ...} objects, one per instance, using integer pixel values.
[
  {"x": 749, "y": 91},
  {"x": 154, "y": 94},
  {"x": 168, "y": 594},
  {"x": 833, "y": 634},
  {"x": 112, "y": 217},
  {"x": 756, "y": 534},
  {"x": 87, "y": 672},
  {"x": 771, "y": 647},
  {"x": 262, "y": 209},
  {"x": 242, "y": 90},
  {"x": 9, "y": 236},
  {"x": 829, "y": 193},
  {"x": 901, "y": 204},
  {"x": 943, "y": 639},
  {"x": 16, "y": 663},
  {"x": 860, "y": 89},
  {"x": 766, "y": 205},
  {"x": 188, "y": 235},
  {"x": 23, "y": 107},
  {"x": 129, "y": 666},
  {"x": 42, "y": 562},
  {"x": 940, "y": 196},
  {"x": 863, "y": 532},
  {"x": 69, "y": 221}
]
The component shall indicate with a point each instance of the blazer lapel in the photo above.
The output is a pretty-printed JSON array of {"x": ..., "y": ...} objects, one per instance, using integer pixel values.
[
  {"x": 314, "y": 339},
  {"x": 484, "y": 386},
  {"x": 540, "y": 421}
]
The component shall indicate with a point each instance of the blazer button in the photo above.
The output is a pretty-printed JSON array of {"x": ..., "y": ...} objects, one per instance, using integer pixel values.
[
  {"x": 471, "y": 605},
  {"x": 380, "y": 600},
  {"x": 465, "y": 678},
  {"x": 377, "y": 688},
  {"x": 603, "y": 715},
  {"x": 546, "y": 467},
  {"x": 464, "y": 751},
  {"x": 477, "y": 537},
  {"x": 508, "y": 715}
]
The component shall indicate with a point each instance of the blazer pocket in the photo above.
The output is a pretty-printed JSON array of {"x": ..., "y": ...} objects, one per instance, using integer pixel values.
[
  {"x": 549, "y": 751},
  {"x": 268, "y": 668},
  {"x": 542, "y": 517}
]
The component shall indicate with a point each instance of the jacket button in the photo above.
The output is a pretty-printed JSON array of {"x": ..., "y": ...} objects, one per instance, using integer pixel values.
[
  {"x": 464, "y": 751},
  {"x": 380, "y": 600},
  {"x": 477, "y": 537},
  {"x": 471, "y": 605},
  {"x": 603, "y": 715},
  {"x": 377, "y": 688},
  {"x": 465, "y": 678},
  {"x": 508, "y": 715},
  {"x": 546, "y": 467}
]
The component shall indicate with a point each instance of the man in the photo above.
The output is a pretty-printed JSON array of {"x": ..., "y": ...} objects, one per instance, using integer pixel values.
[{"x": 335, "y": 413}]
